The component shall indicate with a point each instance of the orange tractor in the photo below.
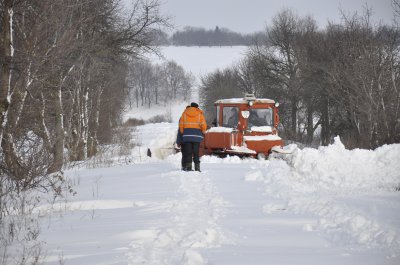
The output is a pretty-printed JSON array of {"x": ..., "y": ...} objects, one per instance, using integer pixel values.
[{"x": 244, "y": 127}]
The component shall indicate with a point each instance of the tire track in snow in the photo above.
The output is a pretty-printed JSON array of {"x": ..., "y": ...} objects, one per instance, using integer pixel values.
[{"x": 192, "y": 228}]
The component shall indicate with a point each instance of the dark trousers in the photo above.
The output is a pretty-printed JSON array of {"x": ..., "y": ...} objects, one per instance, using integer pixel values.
[
  {"x": 183, "y": 158},
  {"x": 191, "y": 151}
]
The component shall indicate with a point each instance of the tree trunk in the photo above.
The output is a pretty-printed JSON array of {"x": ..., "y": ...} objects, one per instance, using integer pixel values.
[
  {"x": 310, "y": 126},
  {"x": 58, "y": 147},
  {"x": 85, "y": 126},
  {"x": 93, "y": 141},
  {"x": 75, "y": 123},
  {"x": 6, "y": 53},
  {"x": 294, "y": 120},
  {"x": 325, "y": 123}
]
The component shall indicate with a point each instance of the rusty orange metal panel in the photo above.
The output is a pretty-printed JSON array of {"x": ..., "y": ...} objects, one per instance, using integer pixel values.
[
  {"x": 263, "y": 146},
  {"x": 218, "y": 140}
]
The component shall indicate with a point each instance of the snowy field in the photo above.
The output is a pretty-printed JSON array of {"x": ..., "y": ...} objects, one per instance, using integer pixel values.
[
  {"x": 202, "y": 60},
  {"x": 316, "y": 206}
]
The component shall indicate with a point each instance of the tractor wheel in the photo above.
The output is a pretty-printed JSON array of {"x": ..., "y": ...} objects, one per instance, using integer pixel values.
[{"x": 261, "y": 156}]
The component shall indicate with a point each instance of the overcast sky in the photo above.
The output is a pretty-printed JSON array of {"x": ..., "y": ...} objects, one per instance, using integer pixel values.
[{"x": 247, "y": 16}]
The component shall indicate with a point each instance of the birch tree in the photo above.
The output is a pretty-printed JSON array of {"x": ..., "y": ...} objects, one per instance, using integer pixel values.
[{"x": 63, "y": 69}]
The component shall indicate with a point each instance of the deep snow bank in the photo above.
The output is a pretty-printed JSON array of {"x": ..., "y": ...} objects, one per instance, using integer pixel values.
[
  {"x": 158, "y": 137},
  {"x": 334, "y": 168},
  {"x": 173, "y": 110},
  {"x": 353, "y": 193}
]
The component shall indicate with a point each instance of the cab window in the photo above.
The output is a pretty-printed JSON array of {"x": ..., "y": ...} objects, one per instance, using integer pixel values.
[
  {"x": 260, "y": 117},
  {"x": 230, "y": 117}
]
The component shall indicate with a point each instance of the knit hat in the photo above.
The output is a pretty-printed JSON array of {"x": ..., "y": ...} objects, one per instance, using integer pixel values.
[{"x": 194, "y": 104}]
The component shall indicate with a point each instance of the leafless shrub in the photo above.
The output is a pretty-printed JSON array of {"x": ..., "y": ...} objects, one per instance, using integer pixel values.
[
  {"x": 19, "y": 223},
  {"x": 133, "y": 122},
  {"x": 123, "y": 139},
  {"x": 103, "y": 158},
  {"x": 159, "y": 118}
]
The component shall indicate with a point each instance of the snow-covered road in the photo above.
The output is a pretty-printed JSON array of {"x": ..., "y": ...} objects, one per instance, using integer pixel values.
[
  {"x": 316, "y": 206},
  {"x": 193, "y": 225}
]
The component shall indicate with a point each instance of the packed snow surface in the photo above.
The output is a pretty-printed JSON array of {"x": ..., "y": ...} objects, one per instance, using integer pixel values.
[{"x": 315, "y": 206}]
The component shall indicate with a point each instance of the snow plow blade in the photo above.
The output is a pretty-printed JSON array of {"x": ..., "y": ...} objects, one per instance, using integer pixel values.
[{"x": 280, "y": 150}]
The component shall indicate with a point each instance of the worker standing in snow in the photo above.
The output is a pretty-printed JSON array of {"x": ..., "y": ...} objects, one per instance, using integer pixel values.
[{"x": 192, "y": 126}]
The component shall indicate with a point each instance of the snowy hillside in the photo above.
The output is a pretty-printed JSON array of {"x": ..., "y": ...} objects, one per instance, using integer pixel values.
[{"x": 316, "y": 206}]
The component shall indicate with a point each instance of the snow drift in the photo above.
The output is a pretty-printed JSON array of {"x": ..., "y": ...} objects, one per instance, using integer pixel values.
[{"x": 336, "y": 169}]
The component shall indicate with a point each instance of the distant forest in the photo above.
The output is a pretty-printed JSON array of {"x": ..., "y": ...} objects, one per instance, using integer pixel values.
[{"x": 195, "y": 36}]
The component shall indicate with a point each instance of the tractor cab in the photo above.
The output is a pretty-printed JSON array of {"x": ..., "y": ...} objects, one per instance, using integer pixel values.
[{"x": 245, "y": 127}]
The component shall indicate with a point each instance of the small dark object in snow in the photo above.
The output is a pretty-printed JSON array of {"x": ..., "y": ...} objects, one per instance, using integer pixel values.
[{"x": 148, "y": 152}]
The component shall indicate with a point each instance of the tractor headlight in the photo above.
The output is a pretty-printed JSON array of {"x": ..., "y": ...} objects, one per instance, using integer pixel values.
[{"x": 245, "y": 114}]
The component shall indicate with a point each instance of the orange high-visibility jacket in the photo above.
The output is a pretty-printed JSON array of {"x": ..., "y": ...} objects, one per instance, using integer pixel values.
[{"x": 192, "y": 125}]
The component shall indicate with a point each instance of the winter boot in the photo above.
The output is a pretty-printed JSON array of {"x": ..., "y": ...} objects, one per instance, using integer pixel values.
[
  {"x": 197, "y": 167},
  {"x": 183, "y": 168},
  {"x": 188, "y": 167}
]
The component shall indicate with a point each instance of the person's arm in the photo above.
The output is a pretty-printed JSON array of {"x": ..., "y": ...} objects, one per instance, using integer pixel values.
[
  {"x": 203, "y": 124},
  {"x": 179, "y": 138},
  {"x": 181, "y": 124}
]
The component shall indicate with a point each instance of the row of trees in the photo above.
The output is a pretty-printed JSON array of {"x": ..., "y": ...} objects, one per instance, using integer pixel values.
[
  {"x": 193, "y": 36},
  {"x": 152, "y": 84},
  {"x": 63, "y": 66},
  {"x": 338, "y": 81}
]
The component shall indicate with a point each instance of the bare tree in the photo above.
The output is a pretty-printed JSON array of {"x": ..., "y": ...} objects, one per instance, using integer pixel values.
[
  {"x": 174, "y": 76},
  {"x": 63, "y": 71},
  {"x": 158, "y": 83},
  {"x": 396, "y": 7},
  {"x": 217, "y": 85},
  {"x": 277, "y": 61}
]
